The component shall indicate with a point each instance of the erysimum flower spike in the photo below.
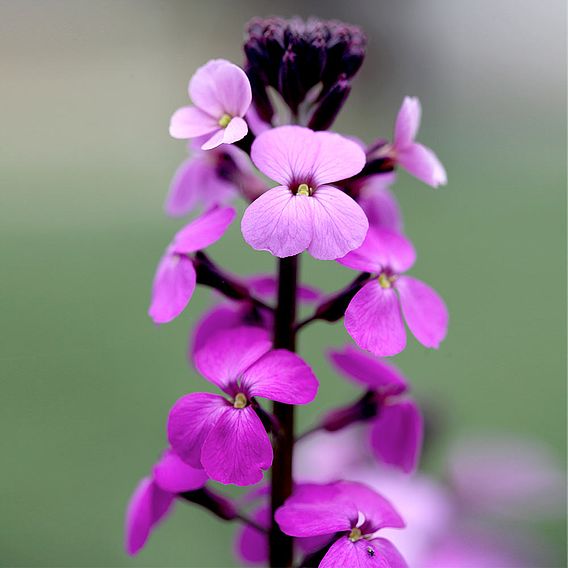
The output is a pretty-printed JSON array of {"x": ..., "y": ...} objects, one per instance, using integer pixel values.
[
  {"x": 222, "y": 95},
  {"x": 374, "y": 315},
  {"x": 304, "y": 212},
  {"x": 201, "y": 426}
]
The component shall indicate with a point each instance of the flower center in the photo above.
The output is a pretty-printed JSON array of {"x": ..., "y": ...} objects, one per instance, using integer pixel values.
[
  {"x": 304, "y": 189},
  {"x": 355, "y": 534},
  {"x": 240, "y": 400},
  {"x": 386, "y": 281},
  {"x": 224, "y": 120}
]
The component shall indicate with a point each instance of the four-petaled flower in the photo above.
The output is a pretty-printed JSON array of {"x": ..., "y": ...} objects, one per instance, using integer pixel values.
[
  {"x": 226, "y": 436},
  {"x": 175, "y": 277},
  {"x": 221, "y": 93},
  {"x": 373, "y": 317},
  {"x": 304, "y": 212},
  {"x": 397, "y": 426},
  {"x": 351, "y": 514}
]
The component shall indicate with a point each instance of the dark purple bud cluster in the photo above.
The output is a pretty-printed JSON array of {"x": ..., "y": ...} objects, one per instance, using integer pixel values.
[{"x": 293, "y": 56}]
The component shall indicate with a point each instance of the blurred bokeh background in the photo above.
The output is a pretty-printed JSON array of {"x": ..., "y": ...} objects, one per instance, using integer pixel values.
[{"x": 87, "y": 89}]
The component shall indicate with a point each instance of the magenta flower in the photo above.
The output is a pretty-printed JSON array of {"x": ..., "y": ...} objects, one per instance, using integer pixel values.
[
  {"x": 415, "y": 158},
  {"x": 175, "y": 277},
  {"x": 222, "y": 95},
  {"x": 304, "y": 212},
  {"x": 202, "y": 426},
  {"x": 154, "y": 496},
  {"x": 380, "y": 204},
  {"x": 374, "y": 315},
  {"x": 352, "y": 514},
  {"x": 397, "y": 430}
]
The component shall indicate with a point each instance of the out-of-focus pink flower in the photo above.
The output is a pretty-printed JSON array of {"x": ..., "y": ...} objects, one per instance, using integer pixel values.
[
  {"x": 374, "y": 315},
  {"x": 202, "y": 426},
  {"x": 175, "y": 277},
  {"x": 222, "y": 96},
  {"x": 154, "y": 496},
  {"x": 380, "y": 204},
  {"x": 397, "y": 425},
  {"x": 352, "y": 515},
  {"x": 304, "y": 212}
]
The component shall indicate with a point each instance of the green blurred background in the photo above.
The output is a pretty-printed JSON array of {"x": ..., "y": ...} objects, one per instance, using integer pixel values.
[{"x": 87, "y": 89}]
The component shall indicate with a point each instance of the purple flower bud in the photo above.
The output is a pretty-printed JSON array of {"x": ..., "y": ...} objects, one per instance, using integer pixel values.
[{"x": 326, "y": 112}]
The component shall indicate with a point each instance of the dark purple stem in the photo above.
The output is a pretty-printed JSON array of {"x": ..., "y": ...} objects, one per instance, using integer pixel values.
[{"x": 281, "y": 545}]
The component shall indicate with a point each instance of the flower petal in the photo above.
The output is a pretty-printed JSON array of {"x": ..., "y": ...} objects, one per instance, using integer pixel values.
[
  {"x": 396, "y": 435},
  {"x": 189, "y": 122},
  {"x": 368, "y": 370},
  {"x": 407, "y": 122},
  {"x": 172, "y": 289},
  {"x": 173, "y": 475},
  {"x": 374, "y": 321},
  {"x": 227, "y": 354},
  {"x": 386, "y": 550},
  {"x": 313, "y": 519},
  {"x": 424, "y": 311},
  {"x": 203, "y": 231},
  {"x": 360, "y": 554},
  {"x": 221, "y": 87},
  {"x": 235, "y": 130},
  {"x": 279, "y": 222},
  {"x": 339, "y": 224},
  {"x": 423, "y": 163},
  {"x": 237, "y": 449},
  {"x": 382, "y": 249},
  {"x": 266, "y": 286},
  {"x": 190, "y": 421},
  {"x": 294, "y": 154},
  {"x": 252, "y": 545},
  {"x": 219, "y": 318},
  {"x": 380, "y": 204},
  {"x": 147, "y": 506},
  {"x": 281, "y": 376}
]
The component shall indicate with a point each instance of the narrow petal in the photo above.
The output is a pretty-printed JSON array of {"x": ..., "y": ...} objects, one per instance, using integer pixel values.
[
  {"x": 219, "y": 318},
  {"x": 396, "y": 436},
  {"x": 147, "y": 506},
  {"x": 173, "y": 475},
  {"x": 189, "y": 122},
  {"x": 252, "y": 545},
  {"x": 237, "y": 449},
  {"x": 422, "y": 163},
  {"x": 382, "y": 249},
  {"x": 172, "y": 289},
  {"x": 407, "y": 122},
  {"x": 339, "y": 224},
  {"x": 374, "y": 321},
  {"x": 281, "y": 376},
  {"x": 203, "y": 231},
  {"x": 290, "y": 154},
  {"x": 312, "y": 519},
  {"x": 185, "y": 188},
  {"x": 279, "y": 222},
  {"x": 220, "y": 87},
  {"x": 215, "y": 140},
  {"x": 368, "y": 370},
  {"x": 360, "y": 554},
  {"x": 227, "y": 354},
  {"x": 424, "y": 311},
  {"x": 190, "y": 421}
]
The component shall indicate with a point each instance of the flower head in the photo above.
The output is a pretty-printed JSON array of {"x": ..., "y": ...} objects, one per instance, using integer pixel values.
[
  {"x": 222, "y": 95},
  {"x": 175, "y": 277},
  {"x": 350, "y": 512},
  {"x": 304, "y": 212},
  {"x": 374, "y": 315},
  {"x": 201, "y": 426},
  {"x": 397, "y": 428}
]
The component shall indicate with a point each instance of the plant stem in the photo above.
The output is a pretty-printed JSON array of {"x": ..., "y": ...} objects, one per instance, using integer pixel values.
[{"x": 281, "y": 545}]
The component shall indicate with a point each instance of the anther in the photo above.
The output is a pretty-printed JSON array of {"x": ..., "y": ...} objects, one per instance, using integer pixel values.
[
  {"x": 240, "y": 400},
  {"x": 355, "y": 534},
  {"x": 224, "y": 120},
  {"x": 385, "y": 281},
  {"x": 304, "y": 189}
]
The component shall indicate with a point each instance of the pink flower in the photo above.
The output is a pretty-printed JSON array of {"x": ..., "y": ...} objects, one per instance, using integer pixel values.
[
  {"x": 202, "y": 426},
  {"x": 374, "y": 315},
  {"x": 304, "y": 212},
  {"x": 175, "y": 277},
  {"x": 351, "y": 514},
  {"x": 222, "y": 95},
  {"x": 397, "y": 429},
  {"x": 415, "y": 158},
  {"x": 154, "y": 496},
  {"x": 380, "y": 204}
]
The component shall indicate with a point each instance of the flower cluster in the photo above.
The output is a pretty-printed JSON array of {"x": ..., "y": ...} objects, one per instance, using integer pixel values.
[{"x": 331, "y": 198}]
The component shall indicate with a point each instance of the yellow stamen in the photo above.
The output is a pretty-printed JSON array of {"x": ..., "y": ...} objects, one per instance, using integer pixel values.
[
  {"x": 385, "y": 281},
  {"x": 355, "y": 534},
  {"x": 224, "y": 120},
  {"x": 240, "y": 401},
  {"x": 304, "y": 189}
]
